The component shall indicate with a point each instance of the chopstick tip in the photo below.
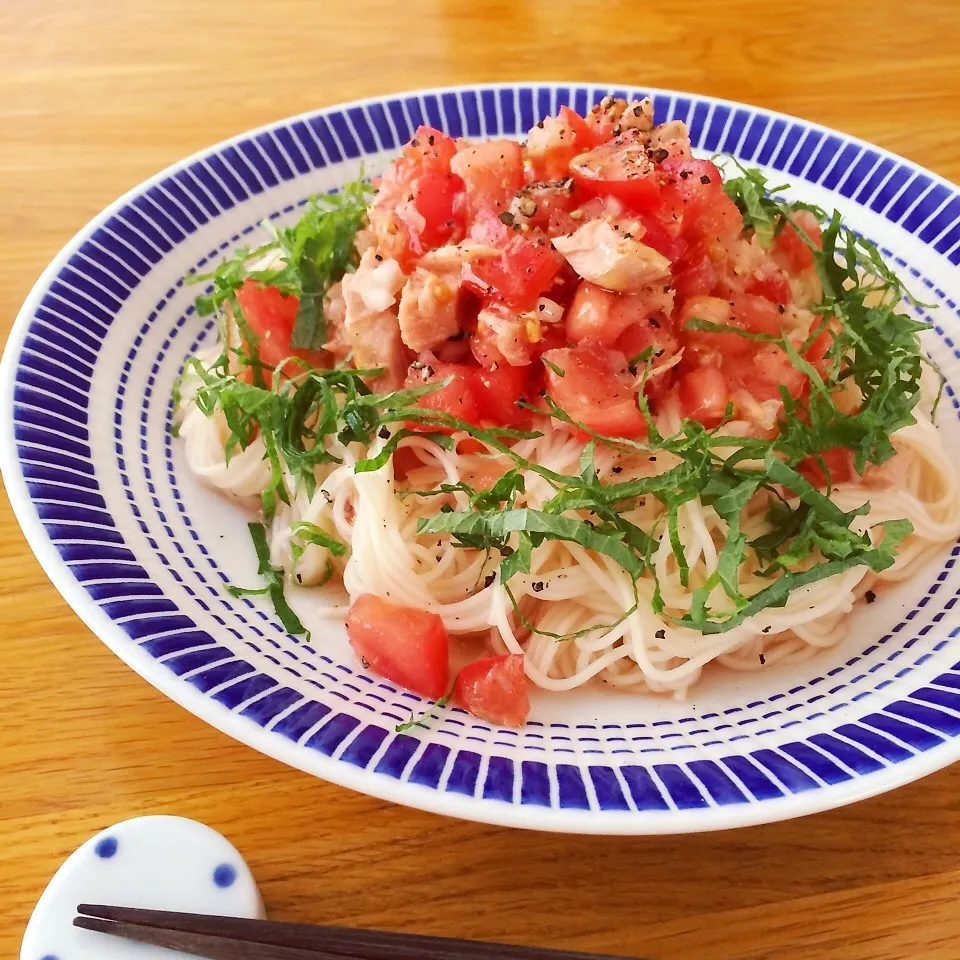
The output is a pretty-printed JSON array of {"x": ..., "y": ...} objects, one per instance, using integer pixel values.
[{"x": 93, "y": 909}]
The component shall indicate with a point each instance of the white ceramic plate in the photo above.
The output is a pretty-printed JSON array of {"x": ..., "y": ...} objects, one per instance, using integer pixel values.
[{"x": 143, "y": 553}]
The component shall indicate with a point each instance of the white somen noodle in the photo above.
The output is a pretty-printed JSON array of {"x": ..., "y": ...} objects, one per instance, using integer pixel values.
[{"x": 571, "y": 590}]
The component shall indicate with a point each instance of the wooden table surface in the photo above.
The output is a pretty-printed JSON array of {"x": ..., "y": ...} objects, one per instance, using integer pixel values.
[{"x": 95, "y": 95}]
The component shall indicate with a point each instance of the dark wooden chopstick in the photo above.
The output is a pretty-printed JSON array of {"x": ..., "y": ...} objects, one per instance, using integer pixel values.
[
  {"x": 210, "y": 946},
  {"x": 232, "y": 938}
]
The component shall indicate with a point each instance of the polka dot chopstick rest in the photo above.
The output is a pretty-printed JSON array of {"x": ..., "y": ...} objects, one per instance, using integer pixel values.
[{"x": 164, "y": 863}]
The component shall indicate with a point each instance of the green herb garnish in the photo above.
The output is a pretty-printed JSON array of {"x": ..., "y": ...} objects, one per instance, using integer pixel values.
[
  {"x": 273, "y": 583},
  {"x": 316, "y": 252},
  {"x": 429, "y": 714}
]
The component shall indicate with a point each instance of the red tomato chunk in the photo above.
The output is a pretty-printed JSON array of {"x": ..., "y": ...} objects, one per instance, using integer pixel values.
[
  {"x": 703, "y": 395},
  {"x": 456, "y": 398},
  {"x": 474, "y": 394},
  {"x": 592, "y": 385},
  {"x": 271, "y": 316},
  {"x": 621, "y": 168},
  {"x": 495, "y": 689},
  {"x": 406, "y": 646},
  {"x": 498, "y": 392},
  {"x": 839, "y": 464},
  {"x": 492, "y": 172},
  {"x": 439, "y": 199},
  {"x": 524, "y": 271}
]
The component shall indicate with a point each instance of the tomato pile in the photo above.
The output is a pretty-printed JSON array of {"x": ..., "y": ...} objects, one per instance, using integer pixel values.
[{"x": 520, "y": 301}]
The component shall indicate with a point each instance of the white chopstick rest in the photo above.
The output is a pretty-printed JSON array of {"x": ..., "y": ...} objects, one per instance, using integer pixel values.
[{"x": 163, "y": 863}]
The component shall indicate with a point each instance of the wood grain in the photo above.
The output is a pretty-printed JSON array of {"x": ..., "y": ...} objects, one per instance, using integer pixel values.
[{"x": 98, "y": 94}]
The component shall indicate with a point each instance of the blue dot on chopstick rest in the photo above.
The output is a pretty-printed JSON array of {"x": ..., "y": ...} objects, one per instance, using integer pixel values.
[
  {"x": 106, "y": 848},
  {"x": 49, "y": 956},
  {"x": 225, "y": 875}
]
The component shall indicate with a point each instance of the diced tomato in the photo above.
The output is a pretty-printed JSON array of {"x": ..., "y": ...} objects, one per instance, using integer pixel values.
[
  {"x": 457, "y": 398},
  {"x": 703, "y": 395},
  {"x": 439, "y": 200},
  {"x": 748, "y": 313},
  {"x": 694, "y": 276},
  {"x": 620, "y": 168},
  {"x": 820, "y": 347},
  {"x": 553, "y": 336},
  {"x": 717, "y": 365},
  {"x": 467, "y": 445},
  {"x": 395, "y": 216},
  {"x": 590, "y": 316},
  {"x": 818, "y": 351},
  {"x": 405, "y": 459},
  {"x": 555, "y": 141},
  {"x": 839, "y": 464},
  {"x": 497, "y": 391},
  {"x": 712, "y": 310},
  {"x": 271, "y": 316},
  {"x": 756, "y": 314},
  {"x": 431, "y": 149},
  {"x": 595, "y": 389},
  {"x": 407, "y": 646},
  {"x": 779, "y": 369},
  {"x": 790, "y": 250},
  {"x": 492, "y": 172},
  {"x": 548, "y": 205},
  {"x": 606, "y": 317},
  {"x": 524, "y": 271},
  {"x": 694, "y": 181},
  {"x": 693, "y": 190},
  {"x": 766, "y": 372},
  {"x": 653, "y": 334},
  {"x": 655, "y": 235},
  {"x": 495, "y": 689},
  {"x": 483, "y": 472},
  {"x": 585, "y": 135},
  {"x": 474, "y": 394},
  {"x": 720, "y": 219},
  {"x": 772, "y": 285},
  {"x": 563, "y": 287},
  {"x": 505, "y": 336}
]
